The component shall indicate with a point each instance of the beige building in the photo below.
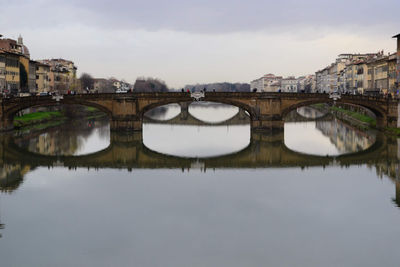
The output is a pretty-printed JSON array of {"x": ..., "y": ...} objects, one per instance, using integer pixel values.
[
  {"x": 42, "y": 77},
  {"x": 62, "y": 75},
  {"x": 343, "y": 75},
  {"x": 289, "y": 84},
  {"x": 267, "y": 83},
  {"x": 381, "y": 77}
]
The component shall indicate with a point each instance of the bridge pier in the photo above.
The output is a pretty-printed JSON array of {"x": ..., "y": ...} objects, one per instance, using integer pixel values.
[
  {"x": 242, "y": 114},
  {"x": 126, "y": 123},
  {"x": 6, "y": 124},
  {"x": 388, "y": 121},
  {"x": 273, "y": 125},
  {"x": 184, "y": 110}
]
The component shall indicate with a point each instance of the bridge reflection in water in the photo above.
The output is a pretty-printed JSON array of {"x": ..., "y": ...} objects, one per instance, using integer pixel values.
[{"x": 129, "y": 152}]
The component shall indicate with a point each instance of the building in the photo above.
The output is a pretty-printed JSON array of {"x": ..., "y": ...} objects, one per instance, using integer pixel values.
[
  {"x": 267, "y": 83},
  {"x": 342, "y": 74},
  {"x": 2, "y": 71},
  {"x": 42, "y": 77},
  {"x": 381, "y": 76},
  {"x": 289, "y": 84},
  {"x": 323, "y": 80},
  {"x": 16, "y": 49},
  {"x": 397, "y": 85},
  {"x": 361, "y": 76},
  {"x": 14, "y": 46},
  {"x": 350, "y": 84},
  {"x": 257, "y": 85},
  {"x": 32, "y": 77},
  {"x": 306, "y": 84},
  {"x": 12, "y": 73},
  {"x": 62, "y": 75}
]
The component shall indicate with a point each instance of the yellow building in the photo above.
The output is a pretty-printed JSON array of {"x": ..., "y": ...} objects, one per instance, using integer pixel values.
[
  {"x": 12, "y": 73},
  {"x": 16, "y": 73}
]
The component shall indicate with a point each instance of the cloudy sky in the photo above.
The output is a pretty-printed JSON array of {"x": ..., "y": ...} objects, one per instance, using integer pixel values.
[{"x": 186, "y": 42}]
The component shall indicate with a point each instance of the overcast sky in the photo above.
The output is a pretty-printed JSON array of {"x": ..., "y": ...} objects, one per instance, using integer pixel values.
[{"x": 186, "y": 42}]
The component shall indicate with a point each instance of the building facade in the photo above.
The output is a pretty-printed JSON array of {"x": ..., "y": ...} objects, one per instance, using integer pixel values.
[
  {"x": 289, "y": 84},
  {"x": 397, "y": 85},
  {"x": 42, "y": 77},
  {"x": 62, "y": 75},
  {"x": 348, "y": 74},
  {"x": 32, "y": 77},
  {"x": 12, "y": 74},
  {"x": 2, "y": 71},
  {"x": 267, "y": 83}
]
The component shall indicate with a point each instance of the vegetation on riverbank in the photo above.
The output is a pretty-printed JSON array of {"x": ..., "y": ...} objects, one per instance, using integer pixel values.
[
  {"x": 44, "y": 119},
  {"x": 37, "y": 118},
  {"x": 358, "y": 116},
  {"x": 359, "y": 120}
]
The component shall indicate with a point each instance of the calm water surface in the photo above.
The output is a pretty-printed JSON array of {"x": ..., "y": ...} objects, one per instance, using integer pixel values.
[{"x": 193, "y": 192}]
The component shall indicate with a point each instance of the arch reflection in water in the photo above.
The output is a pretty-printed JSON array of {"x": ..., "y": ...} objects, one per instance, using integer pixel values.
[
  {"x": 196, "y": 141},
  {"x": 77, "y": 137},
  {"x": 163, "y": 113},
  {"x": 310, "y": 112},
  {"x": 212, "y": 112}
]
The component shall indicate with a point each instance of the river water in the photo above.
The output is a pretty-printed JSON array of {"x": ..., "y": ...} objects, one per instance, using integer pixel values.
[{"x": 198, "y": 188}]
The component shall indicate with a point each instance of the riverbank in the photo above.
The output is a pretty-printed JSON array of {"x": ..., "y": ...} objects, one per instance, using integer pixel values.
[
  {"x": 356, "y": 119},
  {"x": 44, "y": 119}
]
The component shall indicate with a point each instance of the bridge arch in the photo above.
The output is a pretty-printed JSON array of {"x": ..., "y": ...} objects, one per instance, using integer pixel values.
[
  {"x": 378, "y": 112},
  {"x": 9, "y": 113}
]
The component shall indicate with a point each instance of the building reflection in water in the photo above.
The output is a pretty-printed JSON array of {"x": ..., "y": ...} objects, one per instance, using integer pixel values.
[
  {"x": 345, "y": 137},
  {"x": 67, "y": 139}
]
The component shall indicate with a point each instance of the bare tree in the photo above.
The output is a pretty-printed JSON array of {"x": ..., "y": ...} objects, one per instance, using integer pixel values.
[
  {"x": 150, "y": 85},
  {"x": 87, "y": 81}
]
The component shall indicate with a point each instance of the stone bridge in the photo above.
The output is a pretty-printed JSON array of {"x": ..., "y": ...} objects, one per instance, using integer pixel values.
[
  {"x": 266, "y": 110},
  {"x": 240, "y": 118}
]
